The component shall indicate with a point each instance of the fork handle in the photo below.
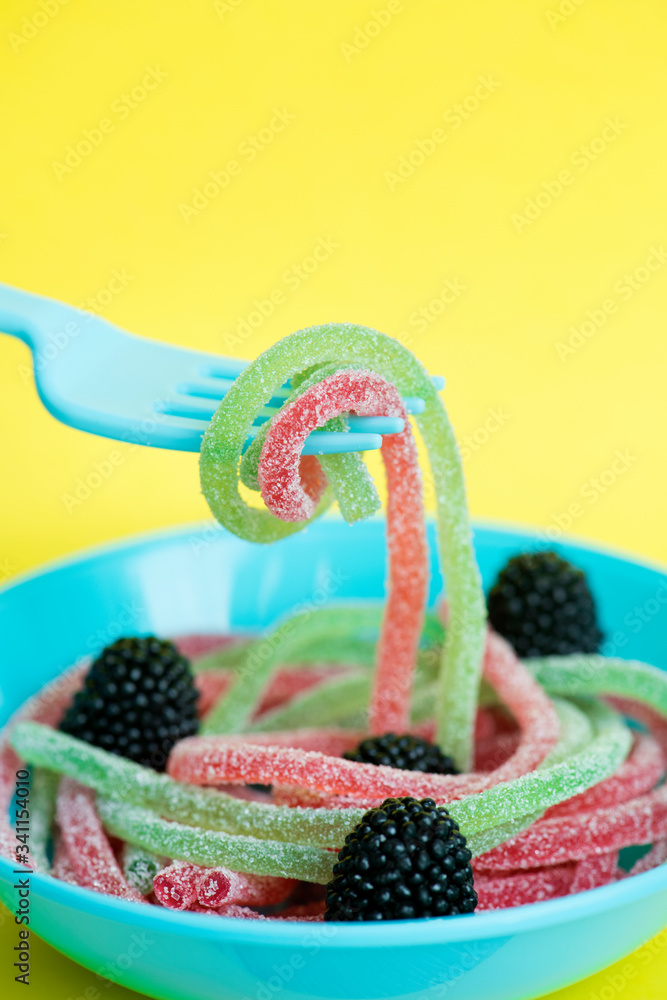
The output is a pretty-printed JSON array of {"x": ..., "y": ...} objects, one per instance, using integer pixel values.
[{"x": 32, "y": 318}]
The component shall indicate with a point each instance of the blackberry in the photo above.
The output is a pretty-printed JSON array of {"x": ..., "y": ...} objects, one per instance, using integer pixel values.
[
  {"x": 411, "y": 753},
  {"x": 138, "y": 699},
  {"x": 543, "y": 606},
  {"x": 404, "y": 860}
]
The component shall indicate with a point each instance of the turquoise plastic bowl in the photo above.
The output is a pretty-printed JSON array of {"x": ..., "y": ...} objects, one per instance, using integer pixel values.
[{"x": 200, "y": 579}]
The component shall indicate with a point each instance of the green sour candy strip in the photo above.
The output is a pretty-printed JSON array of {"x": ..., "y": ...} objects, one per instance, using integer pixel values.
[
  {"x": 231, "y": 714},
  {"x": 576, "y": 731},
  {"x": 43, "y": 792},
  {"x": 336, "y": 633},
  {"x": 544, "y": 787},
  {"x": 225, "y": 658},
  {"x": 486, "y": 840},
  {"x": 115, "y": 777},
  {"x": 345, "y": 344},
  {"x": 140, "y": 867},
  {"x": 134, "y": 785},
  {"x": 323, "y": 705},
  {"x": 584, "y": 674},
  {"x": 210, "y": 848},
  {"x": 333, "y": 701}
]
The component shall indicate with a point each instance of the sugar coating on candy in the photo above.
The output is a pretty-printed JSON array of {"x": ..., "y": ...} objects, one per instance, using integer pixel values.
[
  {"x": 594, "y": 871},
  {"x": 218, "y": 887},
  {"x": 211, "y": 849},
  {"x": 62, "y": 866},
  {"x": 637, "y": 775},
  {"x": 519, "y": 889},
  {"x": 551, "y": 783},
  {"x": 551, "y": 841},
  {"x": 90, "y": 855},
  {"x": 347, "y": 474},
  {"x": 176, "y": 885},
  {"x": 123, "y": 780},
  {"x": 578, "y": 674},
  {"x": 284, "y": 494},
  {"x": 345, "y": 344},
  {"x": 47, "y": 707},
  {"x": 529, "y": 704},
  {"x": 653, "y": 720},
  {"x": 211, "y": 760}
]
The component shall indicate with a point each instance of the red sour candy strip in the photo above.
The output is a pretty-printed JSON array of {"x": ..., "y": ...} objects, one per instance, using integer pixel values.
[
  {"x": 195, "y": 646},
  {"x": 529, "y": 704},
  {"x": 331, "y": 742},
  {"x": 367, "y": 394},
  {"x": 246, "y": 913},
  {"x": 636, "y": 776},
  {"x": 551, "y": 841},
  {"x": 90, "y": 855},
  {"x": 520, "y": 888},
  {"x": 655, "y": 721},
  {"x": 493, "y": 751},
  {"x": 218, "y": 887},
  {"x": 594, "y": 871},
  {"x": 176, "y": 885},
  {"x": 283, "y": 759},
  {"x": 62, "y": 866}
]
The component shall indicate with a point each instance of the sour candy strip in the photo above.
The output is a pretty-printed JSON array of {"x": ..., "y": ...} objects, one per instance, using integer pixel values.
[
  {"x": 212, "y": 849},
  {"x": 176, "y": 885},
  {"x": 592, "y": 674},
  {"x": 636, "y": 776},
  {"x": 551, "y": 841},
  {"x": 47, "y": 706},
  {"x": 344, "y": 344},
  {"x": 529, "y": 704},
  {"x": 282, "y": 489},
  {"x": 62, "y": 866},
  {"x": 366, "y": 393},
  {"x": 521, "y": 888},
  {"x": 211, "y": 760},
  {"x": 347, "y": 474},
  {"x": 118, "y": 778},
  {"x": 218, "y": 887},
  {"x": 90, "y": 855},
  {"x": 594, "y": 871}
]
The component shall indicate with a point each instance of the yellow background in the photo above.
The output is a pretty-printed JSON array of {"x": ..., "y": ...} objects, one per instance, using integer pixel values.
[{"x": 559, "y": 71}]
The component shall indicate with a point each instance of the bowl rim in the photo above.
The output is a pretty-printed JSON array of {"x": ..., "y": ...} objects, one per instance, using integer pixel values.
[
  {"x": 488, "y": 925},
  {"x": 396, "y": 933}
]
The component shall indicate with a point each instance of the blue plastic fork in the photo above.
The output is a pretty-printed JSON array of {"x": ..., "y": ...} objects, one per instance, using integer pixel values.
[{"x": 96, "y": 377}]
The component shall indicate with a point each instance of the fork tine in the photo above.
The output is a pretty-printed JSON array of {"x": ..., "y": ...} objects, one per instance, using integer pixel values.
[{"x": 189, "y": 432}]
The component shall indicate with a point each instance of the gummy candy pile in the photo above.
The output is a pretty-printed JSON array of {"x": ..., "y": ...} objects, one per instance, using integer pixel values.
[{"x": 405, "y": 759}]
